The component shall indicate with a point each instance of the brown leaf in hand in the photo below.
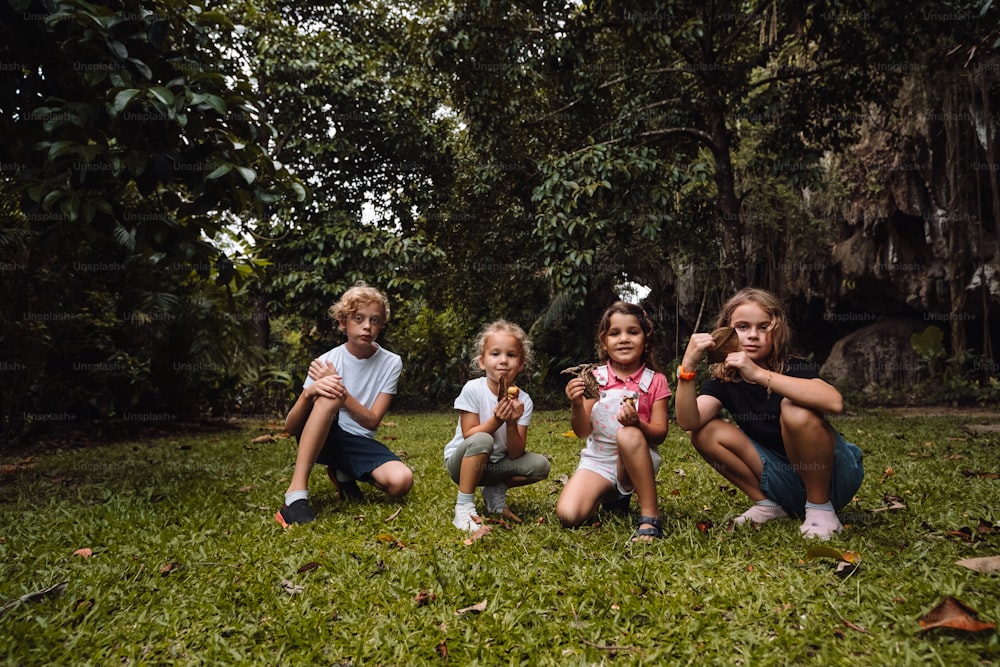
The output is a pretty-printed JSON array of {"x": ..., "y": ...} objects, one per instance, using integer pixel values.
[
  {"x": 478, "y": 608},
  {"x": 953, "y": 614},
  {"x": 726, "y": 341}
]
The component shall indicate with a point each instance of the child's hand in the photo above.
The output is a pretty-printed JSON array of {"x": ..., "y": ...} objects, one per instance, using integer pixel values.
[
  {"x": 697, "y": 346},
  {"x": 747, "y": 368},
  {"x": 627, "y": 415},
  {"x": 328, "y": 386},
  {"x": 320, "y": 368},
  {"x": 575, "y": 389},
  {"x": 508, "y": 409}
]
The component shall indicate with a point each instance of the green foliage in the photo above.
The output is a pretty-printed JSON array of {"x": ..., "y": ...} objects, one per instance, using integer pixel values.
[{"x": 435, "y": 348}]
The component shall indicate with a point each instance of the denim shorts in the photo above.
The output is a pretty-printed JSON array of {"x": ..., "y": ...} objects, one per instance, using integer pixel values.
[
  {"x": 781, "y": 483},
  {"x": 355, "y": 455}
]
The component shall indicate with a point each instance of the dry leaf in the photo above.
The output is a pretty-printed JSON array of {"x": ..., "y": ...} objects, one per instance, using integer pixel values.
[
  {"x": 726, "y": 340},
  {"x": 308, "y": 566},
  {"x": 979, "y": 473},
  {"x": 889, "y": 472},
  {"x": 36, "y": 596},
  {"x": 569, "y": 434},
  {"x": 169, "y": 567},
  {"x": 291, "y": 588},
  {"x": 84, "y": 552},
  {"x": 984, "y": 564},
  {"x": 953, "y": 614},
  {"x": 393, "y": 515},
  {"x": 264, "y": 438},
  {"x": 244, "y": 489},
  {"x": 478, "y": 608},
  {"x": 424, "y": 597},
  {"x": 704, "y": 526},
  {"x": 478, "y": 535},
  {"x": 442, "y": 649}
]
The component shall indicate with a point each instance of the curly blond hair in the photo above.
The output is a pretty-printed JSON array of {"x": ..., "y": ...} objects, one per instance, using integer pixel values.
[{"x": 352, "y": 301}]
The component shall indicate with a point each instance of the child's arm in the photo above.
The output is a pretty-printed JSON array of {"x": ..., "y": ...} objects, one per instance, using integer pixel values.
[
  {"x": 655, "y": 430},
  {"x": 807, "y": 392},
  {"x": 507, "y": 412},
  {"x": 691, "y": 410},
  {"x": 371, "y": 417},
  {"x": 328, "y": 386},
  {"x": 580, "y": 408}
]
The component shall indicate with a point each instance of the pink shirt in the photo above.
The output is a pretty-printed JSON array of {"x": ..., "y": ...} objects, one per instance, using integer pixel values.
[{"x": 658, "y": 389}]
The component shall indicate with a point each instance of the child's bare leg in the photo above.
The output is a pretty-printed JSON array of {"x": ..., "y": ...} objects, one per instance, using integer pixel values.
[
  {"x": 580, "y": 496},
  {"x": 394, "y": 478},
  {"x": 733, "y": 456},
  {"x": 810, "y": 444},
  {"x": 473, "y": 468},
  {"x": 635, "y": 465},
  {"x": 730, "y": 452},
  {"x": 312, "y": 439}
]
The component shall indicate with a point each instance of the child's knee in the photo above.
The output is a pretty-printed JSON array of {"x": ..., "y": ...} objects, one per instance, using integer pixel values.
[
  {"x": 796, "y": 417},
  {"x": 630, "y": 439},
  {"x": 396, "y": 479}
]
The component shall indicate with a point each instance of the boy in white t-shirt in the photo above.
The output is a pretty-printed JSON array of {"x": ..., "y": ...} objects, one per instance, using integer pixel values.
[{"x": 342, "y": 403}]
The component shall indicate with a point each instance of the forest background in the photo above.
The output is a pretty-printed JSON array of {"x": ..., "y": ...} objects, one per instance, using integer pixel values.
[{"x": 186, "y": 187}]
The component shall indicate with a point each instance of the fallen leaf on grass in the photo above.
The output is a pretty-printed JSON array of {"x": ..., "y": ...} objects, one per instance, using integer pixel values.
[
  {"x": 889, "y": 472},
  {"x": 847, "y": 561},
  {"x": 569, "y": 434},
  {"x": 987, "y": 527},
  {"x": 169, "y": 567},
  {"x": 291, "y": 588},
  {"x": 386, "y": 538},
  {"x": 955, "y": 615},
  {"x": 84, "y": 552},
  {"x": 442, "y": 649},
  {"x": 424, "y": 597},
  {"x": 704, "y": 526},
  {"x": 478, "y": 608},
  {"x": 83, "y": 603},
  {"x": 979, "y": 473},
  {"x": 478, "y": 535},
  {"x": 392, "y": 516},
  {"x": 38, "y": 596},
  {"x": 244, "y": 489},
  {"x": 984, "y": 564},
  {"x": 964, "y": 534},
  {"x": 308, "y": 566},
  {"x": 264, "y": 438}
]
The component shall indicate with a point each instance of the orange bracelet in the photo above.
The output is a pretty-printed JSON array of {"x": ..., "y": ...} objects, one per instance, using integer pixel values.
[{"x": 684, "y": 375}]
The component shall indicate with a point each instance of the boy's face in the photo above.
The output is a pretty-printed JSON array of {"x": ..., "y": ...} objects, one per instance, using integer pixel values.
[{"x": 365, "y": 324}]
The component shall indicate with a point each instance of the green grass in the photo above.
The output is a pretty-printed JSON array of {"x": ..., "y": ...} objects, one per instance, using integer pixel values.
[{"x": 553, "y": 596}]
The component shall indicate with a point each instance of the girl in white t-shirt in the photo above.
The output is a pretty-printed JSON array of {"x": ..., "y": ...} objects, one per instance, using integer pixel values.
[{"x": 488, "y": 448}]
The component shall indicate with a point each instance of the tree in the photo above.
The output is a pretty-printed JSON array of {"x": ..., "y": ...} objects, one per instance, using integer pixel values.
[{"x": 128, "y": 153}]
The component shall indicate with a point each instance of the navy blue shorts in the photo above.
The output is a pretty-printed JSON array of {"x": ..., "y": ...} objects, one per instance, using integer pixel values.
[
  {"x": 781, "y": 483},
  {"x": 355, "y": 455}
]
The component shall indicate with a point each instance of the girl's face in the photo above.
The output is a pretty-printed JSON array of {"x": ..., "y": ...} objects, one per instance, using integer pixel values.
[
  {"x": 753, "y": 326},
  {"x": 625, "y": 341},
  {"x": 502, "y": 355}
]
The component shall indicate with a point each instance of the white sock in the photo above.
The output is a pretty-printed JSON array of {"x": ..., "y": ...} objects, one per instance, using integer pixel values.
[
  {"x": 465, "y": 498},
  {"x": 762, "y": 511},
  {"x": 292, "y": 496},
  {"x": 821, "y": 521}
]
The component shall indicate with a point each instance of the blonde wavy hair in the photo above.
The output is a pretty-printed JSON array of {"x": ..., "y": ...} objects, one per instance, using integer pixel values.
[
  {"x": 354, "y": 299},
  {"x": 502, "y": 327}
]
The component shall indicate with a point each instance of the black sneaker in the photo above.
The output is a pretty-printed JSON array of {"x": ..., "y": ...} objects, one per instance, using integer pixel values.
[
  {"x": 347, "y": 489},
  {"x": 297, "y": 512}
]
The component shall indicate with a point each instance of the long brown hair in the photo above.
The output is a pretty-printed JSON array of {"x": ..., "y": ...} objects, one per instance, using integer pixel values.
[{"x": 780, "y": 332}]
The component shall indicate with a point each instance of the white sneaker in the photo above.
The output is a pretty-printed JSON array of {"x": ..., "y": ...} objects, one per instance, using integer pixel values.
[
  {"x": 463, "y": 518},
  {"x": 495, "y": 496}
]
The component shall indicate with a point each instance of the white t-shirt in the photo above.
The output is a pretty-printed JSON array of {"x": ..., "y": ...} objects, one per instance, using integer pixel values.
[
  {"x": 364, "y": 379},
  {"x": 477, "y": 398}
]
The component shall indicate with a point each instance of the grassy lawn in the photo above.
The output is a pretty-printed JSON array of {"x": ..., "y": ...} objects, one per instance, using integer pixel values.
[{"x": 189, "y": 567}]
